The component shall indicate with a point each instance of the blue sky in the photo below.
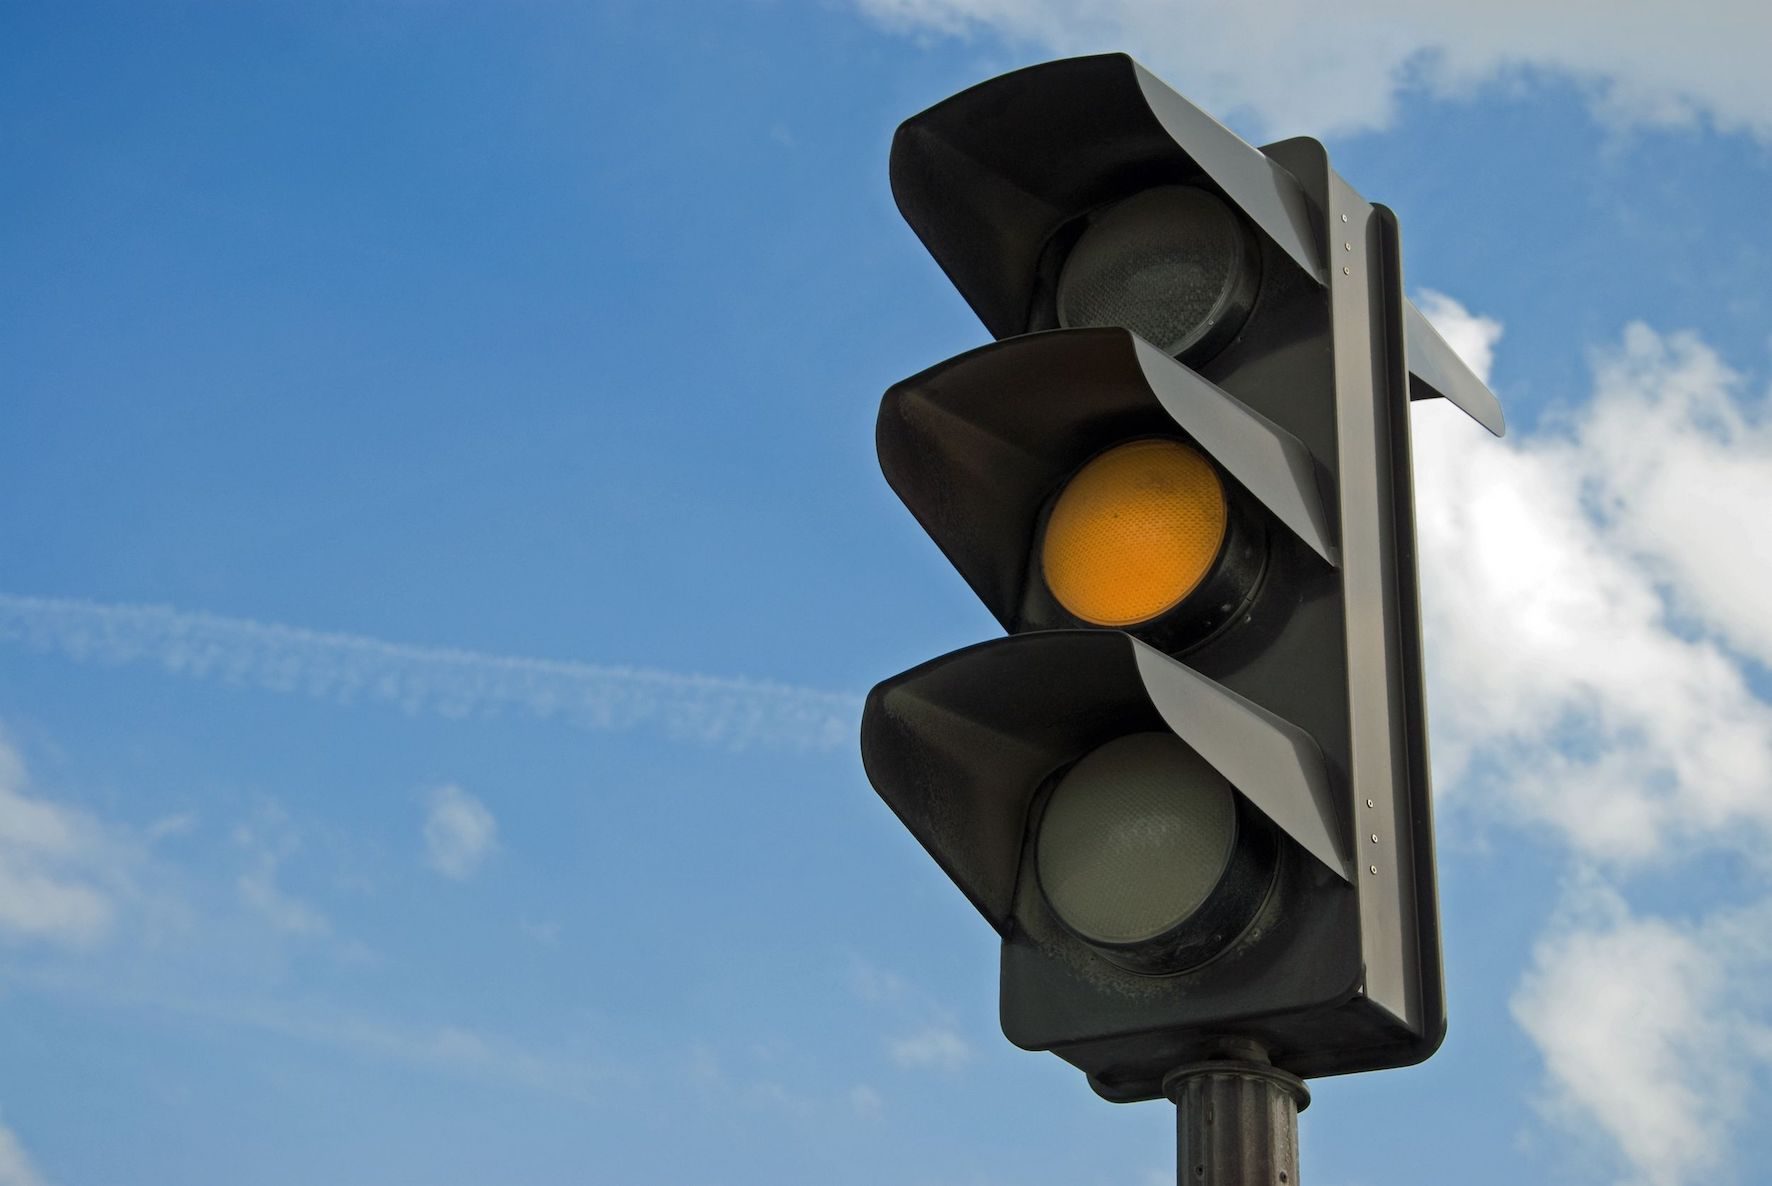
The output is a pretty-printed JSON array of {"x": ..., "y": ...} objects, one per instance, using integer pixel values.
[{"x": 445, "y": 552}]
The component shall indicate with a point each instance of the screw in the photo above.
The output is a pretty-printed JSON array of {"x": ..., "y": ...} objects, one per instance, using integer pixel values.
[
  {"x": 1370, "y": 803},
  {"x": 1347, "y": 246},
  {"x": 1375, "y": 837},
  {"x": 1372, "y": 868},
  {"x": 1344, "y": 218},
  {"x": 1347, "y": 271}
]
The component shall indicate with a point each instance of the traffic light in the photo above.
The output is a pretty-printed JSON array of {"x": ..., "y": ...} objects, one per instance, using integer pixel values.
[{"x": 1190, "y": 789}]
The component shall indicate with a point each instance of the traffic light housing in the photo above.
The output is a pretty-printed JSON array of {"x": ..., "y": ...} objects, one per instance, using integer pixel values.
[{"x": 1190, "y": 789}]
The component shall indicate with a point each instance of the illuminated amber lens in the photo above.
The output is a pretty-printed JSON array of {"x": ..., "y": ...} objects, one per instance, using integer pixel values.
[{"x": 1134, "y": 532}]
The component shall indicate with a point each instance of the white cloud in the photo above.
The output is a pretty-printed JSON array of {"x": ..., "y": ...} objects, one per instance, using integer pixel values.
[
  {"x": 1561, "y": 687},
  {"x": 760, "y": 1092},
  {"x": 1296, "y": 67},
  {"x": 544, "y": 931},
  {"x": 52, "y": 862},
  {"x": 451, "y": 1047},
  {"x": 269, "y": 842},
  {"x": 259, "y": 890},
  {"x": 346, "y": 669},
  {"x": 15, "y": 1165},
  {"x": 171, "y": 826},
  {"x": 1471, "y": 335},
  {"x": 1643, "y": 1025},
  {"x": 876, "y": 985},
  {"x": 1569, "y": 697},
  {"x": 562, "y": 1067},
  {"x": 932, "y": 1043},
  {"x": 1683, "y": 472},
  {"x": 459, "y": 832},
  {"x": 934, "y": 1047},
  {"x": 866, "y": 1102}
]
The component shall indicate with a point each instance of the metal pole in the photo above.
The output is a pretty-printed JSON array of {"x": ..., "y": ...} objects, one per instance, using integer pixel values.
[{"x": 1236, "y": 1121}]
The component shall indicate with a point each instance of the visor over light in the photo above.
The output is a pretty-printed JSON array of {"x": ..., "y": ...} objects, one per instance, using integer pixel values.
[
  {"x": 1148, "y": 855},
  {"x": 1173, "y": 264},
  {"x": 1190, "y": 791},
  {"x": 961, "y": 747},
  {"x": 1002, "y": 181},
  {"x": 1052, "y": 468}
]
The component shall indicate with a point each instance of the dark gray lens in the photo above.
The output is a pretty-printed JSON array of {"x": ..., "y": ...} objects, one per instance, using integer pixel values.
[
  {"x": 1171, "y": 264},
  {"x": 1135, "y": 838}
]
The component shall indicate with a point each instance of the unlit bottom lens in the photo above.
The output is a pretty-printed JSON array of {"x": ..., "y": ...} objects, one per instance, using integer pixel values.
[{"x": 1134, "y": 839}]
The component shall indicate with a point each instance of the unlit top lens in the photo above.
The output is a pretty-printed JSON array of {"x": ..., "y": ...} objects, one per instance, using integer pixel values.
[{"x": 1171, "y": 264}]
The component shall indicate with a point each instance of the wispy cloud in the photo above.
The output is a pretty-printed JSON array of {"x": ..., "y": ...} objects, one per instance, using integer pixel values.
[
  {"x": 466, "y": 1051},
  {"x": 15, "y": 1165},
  {"x": 876, "y": 985},
  {"x": 934, "y": 1047},
  {"x": 459, "y": 832},
  {"x": 543, "y": 931},
  {"x": 1280, "y": 62},
  {"x": 268, "y": 842},
  {"x": 933, "y": 1042},
  {"x": 53, "y": 862},
  {"x": 459, "y": 1049},
  {"x": 867, "y": 1102},
  {"x": 351, "y": 669}
]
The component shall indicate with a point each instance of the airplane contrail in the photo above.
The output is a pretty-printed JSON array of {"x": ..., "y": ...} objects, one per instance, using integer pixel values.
[{"x": 352, "y": 669}]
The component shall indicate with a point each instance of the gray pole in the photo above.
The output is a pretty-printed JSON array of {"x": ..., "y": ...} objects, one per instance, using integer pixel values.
[{"x": 1236, "y": 1121}]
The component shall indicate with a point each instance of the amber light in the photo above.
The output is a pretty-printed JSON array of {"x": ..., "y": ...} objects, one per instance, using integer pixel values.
[{"x": 1134, "y": 532}]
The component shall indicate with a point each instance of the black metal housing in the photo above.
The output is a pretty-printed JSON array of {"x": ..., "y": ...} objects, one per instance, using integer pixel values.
[
  {"x": 997, "y": 180},
  {"x": 1309, "y": 702},
  {"x": 962, "y": 749},
  {"x": 1241, "y": 894},
  {"x": 1231, "y": 307},
  {"x": 993, "y": 176},
  {"x": 979, "y": 446}
]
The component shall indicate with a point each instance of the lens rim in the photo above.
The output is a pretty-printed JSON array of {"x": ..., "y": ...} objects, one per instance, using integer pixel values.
[
  {"x": 1230, "y": 309},
  {"x": 1205, "y": 570},
  {"x": 1232, "y": 581},
  {"x": 1228, "y": 910}
]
